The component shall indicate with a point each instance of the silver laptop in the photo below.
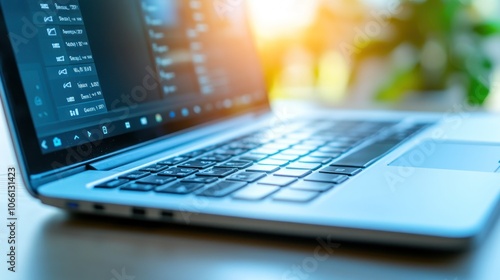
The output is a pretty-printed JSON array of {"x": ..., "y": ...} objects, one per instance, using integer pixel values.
[{"x": 157, "y": 110}]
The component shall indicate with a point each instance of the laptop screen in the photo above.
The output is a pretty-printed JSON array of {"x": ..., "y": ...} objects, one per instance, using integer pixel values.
[{"x": 97, "y": 69}]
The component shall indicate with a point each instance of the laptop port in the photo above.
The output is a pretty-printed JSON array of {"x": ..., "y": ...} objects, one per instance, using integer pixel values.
[
  {"x": 167, "y": 215},
  {"x": 72, "y": 205},
  {"x": 138, "y": 212},
  {"x": 99, "y": 207}
]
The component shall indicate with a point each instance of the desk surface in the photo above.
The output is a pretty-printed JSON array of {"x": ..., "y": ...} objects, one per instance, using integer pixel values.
[{"x": 53, "y": 245}]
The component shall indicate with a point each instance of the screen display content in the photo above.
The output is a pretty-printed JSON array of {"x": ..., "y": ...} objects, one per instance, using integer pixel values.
[{"x": 96, "y": 69}]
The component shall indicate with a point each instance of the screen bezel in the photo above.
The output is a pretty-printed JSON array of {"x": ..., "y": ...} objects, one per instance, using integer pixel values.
[{"x": 23, "y": 128}]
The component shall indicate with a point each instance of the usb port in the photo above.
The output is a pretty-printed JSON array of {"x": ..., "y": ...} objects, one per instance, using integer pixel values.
[
  {"x": 99, "y": 207},
  {"x": 138, "y": 212},
  {"x": 72, "y": 205},
  {"x": 167, "y": 215}
]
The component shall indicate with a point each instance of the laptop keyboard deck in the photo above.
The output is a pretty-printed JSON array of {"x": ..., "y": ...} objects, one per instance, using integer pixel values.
[{"x": 293, "y": 163}]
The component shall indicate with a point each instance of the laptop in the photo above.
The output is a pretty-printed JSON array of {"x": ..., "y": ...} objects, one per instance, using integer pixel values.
[{"x": 157, "y": 110}]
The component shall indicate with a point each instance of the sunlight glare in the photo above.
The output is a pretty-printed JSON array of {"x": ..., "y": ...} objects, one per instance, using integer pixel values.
[{"x": 281, "y": 17}]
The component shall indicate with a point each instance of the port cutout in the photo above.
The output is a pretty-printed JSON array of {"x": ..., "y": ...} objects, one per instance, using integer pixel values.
[
  {"x": 138, "y": 212},
  {"x": 167, "y": 215},
  {"x": 99, "y": 207},
  {"x": 72, "y": 205}
]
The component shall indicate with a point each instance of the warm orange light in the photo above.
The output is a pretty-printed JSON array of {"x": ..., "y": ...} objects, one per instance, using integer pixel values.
[{"x": 272, "y": 18}]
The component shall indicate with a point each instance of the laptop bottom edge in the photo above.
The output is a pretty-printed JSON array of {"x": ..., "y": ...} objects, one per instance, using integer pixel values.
[{"x": 325, "y": 235}]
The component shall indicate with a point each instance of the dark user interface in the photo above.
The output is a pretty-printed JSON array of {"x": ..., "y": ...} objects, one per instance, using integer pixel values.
[{"x": 108, "y": 67}]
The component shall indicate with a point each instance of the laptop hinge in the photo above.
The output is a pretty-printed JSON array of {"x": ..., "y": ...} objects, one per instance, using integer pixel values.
[
  {"x": 177, "y": 140},
  {"x": 184, "y": 138},
  {"x": 37, "y": 181},
  {"x": 134, "y": 155}
]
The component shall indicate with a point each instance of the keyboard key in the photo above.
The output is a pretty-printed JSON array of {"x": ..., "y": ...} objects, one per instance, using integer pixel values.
[
  {"x": 284, "y": 157},
  {"x": 348, "y": 139},
  {"x": 248, "y": 177},
  {"x": 332, "y": 150},
  {"x": 276, "y": 146},
  {"x": 306, "y": 166},
  {"x": 266, "y": 152},
  {"x": 402, "y": 134},
  {"x": 255, "y": 140},
  {"x": 397, "y": 136},
  {"x": 263, "y": 168},
  {"x": 315, "y": 160},
  {"x": 253, "y": 157},
  {"x": 213, "y": 147},
  {"x": 230, "y": 152},
  {"x": 156, "y": 180},
  {"x": 198, "y": 164},
  {"x": 341, "y": 145},
  {"x": 367, "y": 155},
  {"x": 294, "y": 152},
  {"x": 324, "y": 155},
  {"x": 288, "y": 141},
  {"x": 222, "y": 189},
  {"x": 277, "y": 181},
  {"x": 316, "y": 143},
  {"x": 297, "y": 173},
  {"x": 137, "y": 187},
  {"x": 242, "y": 146},
  {"x": 350, "y": 171},
  {"x": 217, "y": 172},
  {"x": 309, "y": 148},
  {"x": 274, "y": 162},
  {"x": 290, "y": 195},
  {"x": 312, "y": 186},
  {"x": 299, "y": 135},
  {"x": 255, "y": 192},
  {"x": 200, "y": 180},
  {"x": 194, "y": 154},
  {"x": 173, "y": 161},
  {"x": 320, "y": 137},
  {"x": 135, "y": 175},
  {"x": 154, "y": 168},
  {"x": 215, "y": 157},
  {"x": 236, "y": 164},
  {"x": 180, "y": 188},
  {"x": 327, "y": 178},
  {"x": 178, "y": 172},
  {"x": 112, "y": 184}
]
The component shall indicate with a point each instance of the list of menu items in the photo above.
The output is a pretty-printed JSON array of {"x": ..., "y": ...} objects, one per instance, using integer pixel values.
[
  {"x": 155, "y": 21},
  {"x": 181, "y": 31},
  {"x": 69, "y": 63},
  {"x": 173, "y": 58},
  {"x": 194, "y": 32}
]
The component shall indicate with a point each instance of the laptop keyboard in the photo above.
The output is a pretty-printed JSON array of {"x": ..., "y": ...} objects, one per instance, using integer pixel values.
[{"x": 296, "y": 163}]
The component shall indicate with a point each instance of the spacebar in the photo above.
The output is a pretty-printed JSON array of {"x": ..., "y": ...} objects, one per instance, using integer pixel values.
[{"x": 368, "y": 155}]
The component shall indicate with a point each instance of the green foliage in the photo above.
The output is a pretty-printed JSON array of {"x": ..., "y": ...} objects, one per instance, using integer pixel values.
[{"x": 456, "y": 29}]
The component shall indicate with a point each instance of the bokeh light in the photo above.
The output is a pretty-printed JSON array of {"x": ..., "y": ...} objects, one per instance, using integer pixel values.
[
  {"x": 273, "y": 18},
  {"x": 302, "y": 46}
]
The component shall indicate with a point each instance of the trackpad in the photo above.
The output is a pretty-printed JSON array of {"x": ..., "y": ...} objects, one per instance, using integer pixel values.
[{"x": 452, "y": 155}]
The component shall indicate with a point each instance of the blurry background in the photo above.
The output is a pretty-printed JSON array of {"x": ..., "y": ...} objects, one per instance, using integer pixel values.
[{"x": 408, "y": 54}]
